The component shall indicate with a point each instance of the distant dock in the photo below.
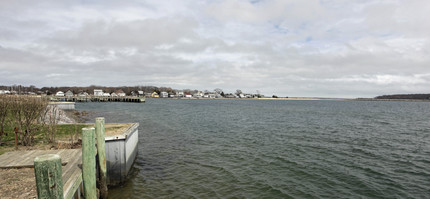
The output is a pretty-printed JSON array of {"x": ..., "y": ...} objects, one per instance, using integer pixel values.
[{"x": 91, "y": 98}]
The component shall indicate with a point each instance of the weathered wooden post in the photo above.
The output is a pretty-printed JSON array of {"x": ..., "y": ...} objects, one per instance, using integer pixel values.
[
  {"x": 49, "y": 182},
  {"x": 89, "y": 163},
  {"x": 100, "y": 133}
]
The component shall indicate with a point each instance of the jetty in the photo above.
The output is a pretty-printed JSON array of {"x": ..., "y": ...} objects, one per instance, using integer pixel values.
[{"x": 92, "y": 98}]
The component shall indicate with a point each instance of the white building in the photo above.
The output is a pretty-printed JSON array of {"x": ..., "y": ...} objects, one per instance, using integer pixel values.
[
  {"x": 69, "y": 93},
  {"x": 120, "y": 93},
  {"x": 198, "y": 94},
  {"x": 83, "y": 94},
  {"x": 98, "y": 92},
  {"x": 164, "y": 94},
  {"x": 60, "y": 94}
]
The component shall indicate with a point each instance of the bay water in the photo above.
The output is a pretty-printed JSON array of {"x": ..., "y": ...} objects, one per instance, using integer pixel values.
[{"x": 275, "y": 148}]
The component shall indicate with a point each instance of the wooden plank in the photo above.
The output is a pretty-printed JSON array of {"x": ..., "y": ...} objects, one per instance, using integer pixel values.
[
  {"x": 71, "y": 166},
  {"x": 73, "y": 183},
  {"x": 24, "y": 159},
  {"x": 7, "y": 158},
  {"x": 28, "y": 158},
  {"x": 17, "y": 161}
]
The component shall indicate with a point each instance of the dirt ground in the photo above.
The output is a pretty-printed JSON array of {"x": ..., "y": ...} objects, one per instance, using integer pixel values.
[{"x": 17, "y": 183}]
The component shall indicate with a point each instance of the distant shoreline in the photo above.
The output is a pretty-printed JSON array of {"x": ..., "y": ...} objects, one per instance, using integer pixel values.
[{"x": 305, "y": 99}]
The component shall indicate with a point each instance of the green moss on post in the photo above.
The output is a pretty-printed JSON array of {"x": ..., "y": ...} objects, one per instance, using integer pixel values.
[
  {"x": 100, "y": 133},
  {"x": 48, "y": 173},
  {"x": 89, "y": 163}
]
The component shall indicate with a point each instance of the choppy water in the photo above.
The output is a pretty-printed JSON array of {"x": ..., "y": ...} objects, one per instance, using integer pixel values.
[{"x": 276, "y": 149}]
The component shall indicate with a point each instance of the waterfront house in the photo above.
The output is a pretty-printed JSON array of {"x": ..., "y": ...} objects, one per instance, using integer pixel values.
[
  {"x": 164, "y": 94},
  {"x": 140, "y": 93},
  {"x": 114, "y": 95},
  {"x": 188, "y": 95},
  {"x": 60, "y": 94},
  {"x": 83, "y": 94},
  {"x": 180, "y": 93},
  {"x": 155, "y": 95},
  {"x": 98, "y": 92},
  {"x": 106, "y": 95},
  {"x": 6, "y": 92},
  {"x": 230, "y": 95},
  {"x": 198, "y": 94},
  {"x": 120, "y": 93},
  {"x": 69, "y": 93}
]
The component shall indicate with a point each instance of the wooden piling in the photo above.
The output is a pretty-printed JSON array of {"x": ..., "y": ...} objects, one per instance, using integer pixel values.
[
  {"x": 48, "y": 173},
  {"x": 89, "y": 163},
  {"x": 100, "y": 133}
]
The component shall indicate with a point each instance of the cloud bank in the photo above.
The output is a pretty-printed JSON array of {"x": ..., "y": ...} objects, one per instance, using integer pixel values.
[{"x": 327, "y": 48}]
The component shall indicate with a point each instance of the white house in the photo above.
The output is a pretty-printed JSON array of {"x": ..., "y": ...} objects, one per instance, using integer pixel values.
[
  {"x": 164, "y": 94},
  {"x": 120, "y": 93},
  {"x": 60, "y": 94},
  {"x": 98, "y": 92},
  {"x": 140, "y": 93},
  {"x": 198, "y": 94},
  {"x": 69, "y": 93},
  {"x": 106, "y": 95},
  {"x": 180, "y": 93},
  {"x": 83, "y": 94}
]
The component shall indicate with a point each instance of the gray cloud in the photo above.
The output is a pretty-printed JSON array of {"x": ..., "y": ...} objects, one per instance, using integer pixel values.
[{"x": 296, "y": 48}]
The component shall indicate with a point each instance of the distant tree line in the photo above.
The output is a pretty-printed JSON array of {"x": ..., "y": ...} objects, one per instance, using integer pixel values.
[
  {"x": 128, "y": 90},
  {"x": 405, "y": 96},
  {"x": 89, "y": 89}
]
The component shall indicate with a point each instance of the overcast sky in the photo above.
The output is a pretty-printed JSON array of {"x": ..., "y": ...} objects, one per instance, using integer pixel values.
[{"x": 325, "y": 48}]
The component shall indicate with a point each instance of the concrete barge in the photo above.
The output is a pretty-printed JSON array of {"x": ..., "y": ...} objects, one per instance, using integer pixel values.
[{"x": 121, "y": 151}]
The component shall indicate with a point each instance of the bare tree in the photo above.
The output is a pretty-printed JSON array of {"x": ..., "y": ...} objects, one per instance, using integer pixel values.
[
  {"x": 25, "y": 112},
  {"x": 238, "y": 92},
  {"x": 4, "y": 110},
  {"x": 218, "y": 90},
  {"x": 49, "y": 120}
]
